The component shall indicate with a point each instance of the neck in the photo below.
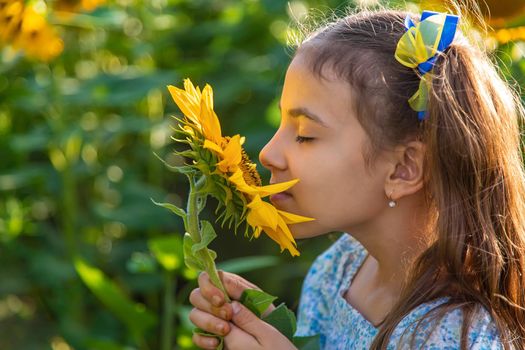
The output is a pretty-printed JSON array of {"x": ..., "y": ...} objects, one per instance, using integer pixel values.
[{"x": 394, "y": 241}]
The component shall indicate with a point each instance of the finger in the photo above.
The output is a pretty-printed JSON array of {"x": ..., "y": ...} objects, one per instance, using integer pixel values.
[
  {"x": 200, "y": 302},
  {"x": 205, "y": 342},
  {"x": 249, "y": 322},
  {"x": 238, "y": 339},
  {"x": 235, "y": 284},
  {"x": 208, "y": 322},
  {"x": 213, "y": 294}
]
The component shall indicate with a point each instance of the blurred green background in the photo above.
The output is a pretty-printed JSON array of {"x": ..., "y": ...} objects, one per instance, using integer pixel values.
[{"x": 87, "y": 260}]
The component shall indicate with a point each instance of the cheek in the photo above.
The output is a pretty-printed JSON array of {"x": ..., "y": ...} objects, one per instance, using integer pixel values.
[{"x": 339, "y": 194}]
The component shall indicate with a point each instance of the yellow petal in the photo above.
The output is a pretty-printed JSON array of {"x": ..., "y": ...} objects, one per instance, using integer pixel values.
[
  {"x": 238, "y": 180},
  {"x": 232, "y": 155},
  {"x": 290, "y": 218},
  {"x": 285, "y": 231},
  {"x": 240, "y": 184},
  {"x": 262, "y": 214},
  {"x": 267, "y": 190},
  {"x": 187, "y": 103},
  {"x": 283, "y": 243},
  {"x": 213, "y": 147},
  {"x": 190, "y": 89},
  {"x": 209, "y": 120}
]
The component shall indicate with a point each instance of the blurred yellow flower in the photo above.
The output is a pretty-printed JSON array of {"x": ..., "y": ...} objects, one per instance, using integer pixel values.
[
  {"x": 237, "y": 175},
  {"x": 77, "y": 5},
  {"x": 11, "y": 13},
  {"x": 25, "y": 29},
  {"x": 37, "y": 38},
  {"x": 506, "y": 35}
]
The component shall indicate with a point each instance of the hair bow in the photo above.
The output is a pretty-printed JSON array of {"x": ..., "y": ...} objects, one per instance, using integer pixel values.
[{"x": 419, "y": 47}]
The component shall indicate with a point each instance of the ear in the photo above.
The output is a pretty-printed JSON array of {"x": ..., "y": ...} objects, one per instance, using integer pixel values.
[{"x": 406, "y": 174}]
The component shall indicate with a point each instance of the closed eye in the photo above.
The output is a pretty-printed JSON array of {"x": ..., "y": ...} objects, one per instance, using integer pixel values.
[{"x": 301, "y": 139}]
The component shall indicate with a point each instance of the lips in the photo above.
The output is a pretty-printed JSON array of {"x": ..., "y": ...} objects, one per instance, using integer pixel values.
[{"x": 280, "y": 197}]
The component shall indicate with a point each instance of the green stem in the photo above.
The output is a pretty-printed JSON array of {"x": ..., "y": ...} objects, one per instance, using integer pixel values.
[
  {"x": 167, "y": 321},
  {"x": 194, "y": 231}
]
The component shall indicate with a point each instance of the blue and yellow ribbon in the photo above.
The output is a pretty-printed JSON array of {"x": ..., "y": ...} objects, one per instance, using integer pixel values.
[{"x": 419, "y": 47}]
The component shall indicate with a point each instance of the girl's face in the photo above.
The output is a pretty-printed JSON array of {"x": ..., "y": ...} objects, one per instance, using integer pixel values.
[{"x": 321, "y": 142}]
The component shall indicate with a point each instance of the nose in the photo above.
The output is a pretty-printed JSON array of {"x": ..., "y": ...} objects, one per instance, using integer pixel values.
[{"x": 272, "y": 156}]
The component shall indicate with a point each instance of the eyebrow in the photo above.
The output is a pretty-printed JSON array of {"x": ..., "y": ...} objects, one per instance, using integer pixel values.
[{"x": 302, "y": 111}]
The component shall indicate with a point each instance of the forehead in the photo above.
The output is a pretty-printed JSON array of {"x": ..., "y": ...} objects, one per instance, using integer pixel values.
[{"x": 327, "y": 96}]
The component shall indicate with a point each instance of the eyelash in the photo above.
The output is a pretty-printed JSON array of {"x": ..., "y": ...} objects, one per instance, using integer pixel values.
[{"x": 301, "y": 139}]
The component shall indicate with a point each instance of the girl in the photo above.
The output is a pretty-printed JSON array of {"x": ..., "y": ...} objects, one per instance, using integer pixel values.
[{"x": 421, "y": 165}]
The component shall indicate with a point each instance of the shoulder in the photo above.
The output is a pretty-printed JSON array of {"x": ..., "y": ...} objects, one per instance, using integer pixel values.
[
  {"x": 444, "y": 331},
  {"x": 324, "y": 279},
  {"x": 334, "y": 264}
]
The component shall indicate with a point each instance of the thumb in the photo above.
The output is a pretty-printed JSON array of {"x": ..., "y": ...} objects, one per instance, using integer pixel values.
[
  {"x": 235, "y": 284},
  {"x": 248, "y": 321}
]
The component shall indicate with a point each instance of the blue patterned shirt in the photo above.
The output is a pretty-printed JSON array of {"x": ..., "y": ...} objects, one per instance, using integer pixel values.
[{"x": 324, "y": 311}]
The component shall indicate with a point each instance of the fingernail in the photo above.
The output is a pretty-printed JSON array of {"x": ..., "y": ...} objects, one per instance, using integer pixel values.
[
  {"x": 216, "y": 300},
  {"x": 220, "y": 328},
  {"x": 223, "y": 314},
  {"x": 212, "y": 342},
  {"x": 236, "y": 307}
]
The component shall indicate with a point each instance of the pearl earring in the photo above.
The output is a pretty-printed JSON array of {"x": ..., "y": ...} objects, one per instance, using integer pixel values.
[{"x": 391, "y": 203}]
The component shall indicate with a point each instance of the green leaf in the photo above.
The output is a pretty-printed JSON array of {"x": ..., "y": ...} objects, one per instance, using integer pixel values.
[
  {"x": 256, "y": 300},
  {"x": 208, "y": 334},
  {"x": 283, "y": 319},
  {"x": 168, "y": 250},
  {"x": 141, "y": 263},
  {"x": 178, "y": 211},
  {"x": 105, "y": 344},
  {"x": 213, "y": 254},
  {"x": 185, "y": 169},
  {"x": 307, "y": 343},
  {"x": 135, "y": 316},
  {"x": 207, "y": 235},
  {"x": 169, "y": 166},
  {"x": 187, "y": 154},
  {"x": 190, "y": 260}
]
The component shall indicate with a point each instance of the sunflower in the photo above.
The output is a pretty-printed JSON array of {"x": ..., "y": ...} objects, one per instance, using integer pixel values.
[
  {"x": 231, "y": 176},
  {"x": 77, "y": 5},
  {"x": 26, "y": 29},
  {"x": 11, "y": 13},
  {"x": 37, "y": 37}
]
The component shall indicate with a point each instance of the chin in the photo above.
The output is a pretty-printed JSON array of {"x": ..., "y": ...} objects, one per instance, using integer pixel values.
[{"x": 308, "y": 230}]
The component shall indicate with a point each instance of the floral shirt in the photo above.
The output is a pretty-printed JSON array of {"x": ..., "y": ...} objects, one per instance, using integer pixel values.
[{"x": 324, "y": 311}]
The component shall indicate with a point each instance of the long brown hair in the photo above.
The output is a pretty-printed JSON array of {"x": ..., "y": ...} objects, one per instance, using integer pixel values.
[{"x": 474, "y": 176}]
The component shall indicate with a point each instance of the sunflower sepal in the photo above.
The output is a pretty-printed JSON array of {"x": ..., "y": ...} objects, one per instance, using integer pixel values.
[
  {"x": 188, "y": 170},
  {"x": 207, "y": 236},
  {"x": 186, "y": 154},
  {"x": 191, "y": 261},
  {"x": 174, "y": 209},
  {"x": 174, "y": 168}
]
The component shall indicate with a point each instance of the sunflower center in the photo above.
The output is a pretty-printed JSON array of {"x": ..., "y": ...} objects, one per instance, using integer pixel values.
[
  {"x": 249, "y": 171},
  {"x": 248, "y": 168}
]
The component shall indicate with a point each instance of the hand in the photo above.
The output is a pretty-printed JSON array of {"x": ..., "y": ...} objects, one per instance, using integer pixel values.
[
  {"x": 247, "y": 331},
  {"x": 211, "y": 311}
]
